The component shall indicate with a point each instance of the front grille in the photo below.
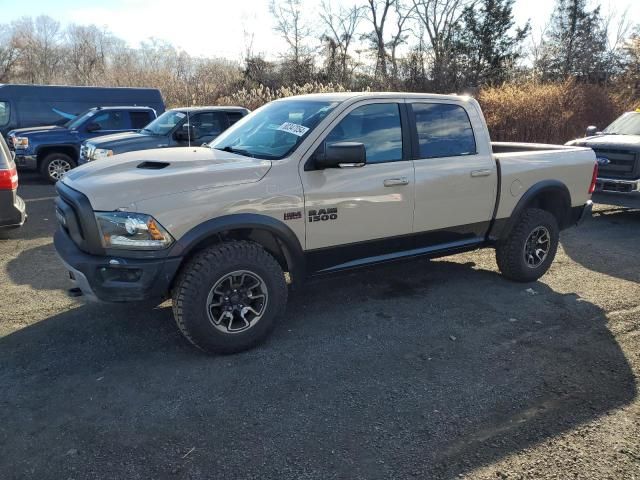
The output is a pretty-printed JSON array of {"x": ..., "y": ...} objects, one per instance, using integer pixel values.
[{"x": 623, "y": 164}]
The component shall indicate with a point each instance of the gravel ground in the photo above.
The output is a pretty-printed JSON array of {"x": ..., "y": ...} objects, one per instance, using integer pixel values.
[{"x": 438, "y": 369}]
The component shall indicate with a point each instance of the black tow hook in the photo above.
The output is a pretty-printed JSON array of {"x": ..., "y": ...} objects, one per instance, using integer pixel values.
[{"x": 74, "y": 292}]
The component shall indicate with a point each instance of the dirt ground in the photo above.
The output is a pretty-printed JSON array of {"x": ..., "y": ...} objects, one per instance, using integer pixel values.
[{"x": 427, "y": 369}]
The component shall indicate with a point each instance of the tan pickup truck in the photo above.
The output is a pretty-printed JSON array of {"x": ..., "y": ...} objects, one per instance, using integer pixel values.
[{"x": 311, "y": 185}]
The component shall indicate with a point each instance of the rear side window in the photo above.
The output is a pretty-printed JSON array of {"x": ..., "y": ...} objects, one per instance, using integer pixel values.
[
  {"x": 233, "y": 117},
  {"x": 207, "y": 124},
  {"x": 139, "y": 119},
  {"x": 444, "y": 130},
  {"x": 112, "y": 120},
  {"x": 377, "y": 126},
  {"x": 5, "y": 113}
]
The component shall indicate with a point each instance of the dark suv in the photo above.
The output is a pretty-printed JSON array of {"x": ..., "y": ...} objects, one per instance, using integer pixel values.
[
  {"x": 54, "y": 150},
  {"x": 179, "y": 127}
]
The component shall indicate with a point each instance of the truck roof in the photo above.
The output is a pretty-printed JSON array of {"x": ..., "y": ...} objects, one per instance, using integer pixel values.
[{"x": 343, "y": 96}]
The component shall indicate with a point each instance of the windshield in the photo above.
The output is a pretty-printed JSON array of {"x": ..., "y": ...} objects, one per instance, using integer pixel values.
[
  {"x": 75, "y": 123},
  {"x": 273, "y": 131},
  {"x": 627, "y": 124},
  {"x": 164, "y": 123}
]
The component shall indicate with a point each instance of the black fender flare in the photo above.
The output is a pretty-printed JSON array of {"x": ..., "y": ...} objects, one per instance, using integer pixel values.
[
  {"x": 527, "y": 198},
  {"x": 281, "y": 232}
]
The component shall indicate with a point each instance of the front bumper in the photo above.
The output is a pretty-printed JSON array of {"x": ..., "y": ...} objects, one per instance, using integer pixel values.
[
  {"x": 115, "y": 279},
  {"x": 27, "y": 162},
  {"x": 13, "y": 211},
  {"x": 614, "y": 185}
]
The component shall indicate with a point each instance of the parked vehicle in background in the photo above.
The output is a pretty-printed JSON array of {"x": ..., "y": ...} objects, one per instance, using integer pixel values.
[
  {"x": 312, "y": 185},
  {"x": 617, "y": 149},
  {"x": 12, "y": 208},
  {"x": 24, "y": 106},
  {"x": 175, "y": 128},
  {"x": 54, "y": 150}
]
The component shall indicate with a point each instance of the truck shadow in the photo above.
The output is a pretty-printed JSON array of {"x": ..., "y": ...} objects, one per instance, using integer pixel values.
[
  {"x": 607, "y": 243},
  {"x": 429, "y": 369}
]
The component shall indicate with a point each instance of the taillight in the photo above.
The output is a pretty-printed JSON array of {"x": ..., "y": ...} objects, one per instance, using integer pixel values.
[
  {"x": 592, "y": 187},
  {"x": 9, "y": 179}
]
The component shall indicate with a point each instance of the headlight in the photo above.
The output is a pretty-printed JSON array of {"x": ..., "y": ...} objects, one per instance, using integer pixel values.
[
  {"x": 20, "y": 142},
  {"x": 99, "y": 153},
  {"x": 132, "y": 231}
]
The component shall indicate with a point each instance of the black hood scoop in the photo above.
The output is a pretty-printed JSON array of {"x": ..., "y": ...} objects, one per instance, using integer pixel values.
[{"x": 152, "y": 165}]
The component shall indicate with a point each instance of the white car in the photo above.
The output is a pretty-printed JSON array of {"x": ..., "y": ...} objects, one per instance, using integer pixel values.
[{"x": 312, "y": 185}]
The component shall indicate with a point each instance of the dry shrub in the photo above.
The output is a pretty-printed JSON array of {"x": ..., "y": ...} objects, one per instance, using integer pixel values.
[
  {"x": 546, "y": 113},
  {"x": 256, "y": 97}
]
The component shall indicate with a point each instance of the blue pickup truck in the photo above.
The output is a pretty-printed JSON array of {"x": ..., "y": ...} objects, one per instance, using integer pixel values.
[{"x": 54, "y": 150}]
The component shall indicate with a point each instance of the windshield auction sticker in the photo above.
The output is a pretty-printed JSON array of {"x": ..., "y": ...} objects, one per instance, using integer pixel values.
[{"x": 298, "y": 130}]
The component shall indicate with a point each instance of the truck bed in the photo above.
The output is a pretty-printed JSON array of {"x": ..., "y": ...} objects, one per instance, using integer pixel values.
[{"x": 523, "y": 165}]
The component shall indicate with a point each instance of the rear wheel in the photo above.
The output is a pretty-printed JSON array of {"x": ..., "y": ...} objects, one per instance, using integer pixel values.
[
  {"x": 527, "y": 253},
  {"x": 55, "y": 165},
  {"x": 229, "y": 296}
]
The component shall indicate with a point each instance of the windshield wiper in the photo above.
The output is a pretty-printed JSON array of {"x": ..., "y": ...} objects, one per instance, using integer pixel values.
[{"x": 238, "y": 151}]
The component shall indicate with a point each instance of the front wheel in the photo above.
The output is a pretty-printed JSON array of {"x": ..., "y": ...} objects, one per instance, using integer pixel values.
[
  {"x": 55, "y": 166},
  {"x": 528, "y": 252},
  {"x": 229, "y": 296}
]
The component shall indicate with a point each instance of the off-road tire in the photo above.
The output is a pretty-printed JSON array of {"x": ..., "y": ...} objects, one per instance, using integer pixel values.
[
  {"x": 510, "y": 252},
  {"x": 197, "y": 279},
  {"x": 50, "y": 159}
]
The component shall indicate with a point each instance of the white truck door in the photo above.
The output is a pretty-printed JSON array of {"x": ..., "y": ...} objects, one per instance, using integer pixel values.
[
  {"x": 357, "y": 206},
  {"x": 456, "y": 174}
]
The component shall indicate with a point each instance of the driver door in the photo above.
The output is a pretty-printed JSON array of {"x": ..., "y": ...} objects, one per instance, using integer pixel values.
[{"x": 367, "y": 211}]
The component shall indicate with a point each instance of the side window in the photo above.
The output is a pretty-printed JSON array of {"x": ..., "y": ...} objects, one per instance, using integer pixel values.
[
  {"x": 377, "y": 126},
  {"x": 139, "y": 119},
  {"x": 112, "y": 120},
  {"x": 444, "y": 130},
  {"x": 5, "y": 113},
  {"x": 233, "y": 117},
  {"x": 207, "y": 124}
]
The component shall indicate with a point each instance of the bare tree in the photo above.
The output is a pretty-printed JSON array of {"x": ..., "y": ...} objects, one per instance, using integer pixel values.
[
  {"x": 290, "y": 25},
  {"x": 87, "y": 49},
  {"x": 340, "y": 30},
  {"x": 41, "y": 43},
  {"x": 378, "y": 13},
  {"x": 9, "y": 52},
  {"x": 440, "y": 19}
]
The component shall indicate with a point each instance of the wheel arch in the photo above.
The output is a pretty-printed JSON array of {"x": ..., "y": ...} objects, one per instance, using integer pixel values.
[
  {"x": 45, "y": 150},
  {"x": 273, "y": 235},
  {"x": 552, "y": 196}
]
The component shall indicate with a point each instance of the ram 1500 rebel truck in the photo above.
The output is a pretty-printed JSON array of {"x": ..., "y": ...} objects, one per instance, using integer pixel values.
[
  {"x": 179, "y": 127},
  {"x": 617, "y": 150},
  {"x": 54, "y": 150},
  {"x": 306, "y": 186}
]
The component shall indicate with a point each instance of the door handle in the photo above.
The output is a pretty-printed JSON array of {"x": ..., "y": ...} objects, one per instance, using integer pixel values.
[
  {"x": 481, "y": 173},
  {"x": 396, "y": 182}
]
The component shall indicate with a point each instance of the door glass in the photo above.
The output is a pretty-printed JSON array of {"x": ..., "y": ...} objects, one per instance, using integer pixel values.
[
  {"x": 377, "y": 126},
  {"x": 207, "y": 124},
  {"x": 139, "y": 119},
  {"x": 110, "y": 120},
  {"x": 444, "y": 130},
  {"x": 4, "y": 113}
]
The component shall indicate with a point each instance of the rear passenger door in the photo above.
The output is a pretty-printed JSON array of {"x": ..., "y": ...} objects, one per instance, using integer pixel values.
[
  {"x": 361, "y": 211},
  {"x": 456, "y": 175}
]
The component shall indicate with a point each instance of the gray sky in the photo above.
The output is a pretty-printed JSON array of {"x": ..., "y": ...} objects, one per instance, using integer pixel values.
[{"x": 222, "y": 28}]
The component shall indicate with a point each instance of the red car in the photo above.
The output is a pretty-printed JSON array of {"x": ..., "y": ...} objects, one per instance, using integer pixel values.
[{"x": 12, "y": 207}]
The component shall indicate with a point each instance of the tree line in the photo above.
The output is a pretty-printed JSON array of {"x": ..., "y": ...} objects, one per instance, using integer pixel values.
[{"x": 416, "y": 45}]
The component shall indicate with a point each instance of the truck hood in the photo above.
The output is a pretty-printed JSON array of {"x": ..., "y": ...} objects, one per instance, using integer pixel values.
[
  {"x": 123, "y": 180},
  {"x": 609, "y": 141},
  {"x": 129, "y": 141},
  {"x": 49, "y": 129}
]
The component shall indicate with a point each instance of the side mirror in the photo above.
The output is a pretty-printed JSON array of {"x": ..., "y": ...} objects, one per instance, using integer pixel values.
[
  {"x": 342, "y": 155},
  {"x": 591, "y": 131},
  {"x": 185, "y": 133},
  {"x": 93, "y": 127}
]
